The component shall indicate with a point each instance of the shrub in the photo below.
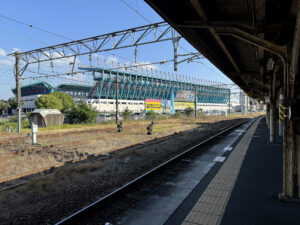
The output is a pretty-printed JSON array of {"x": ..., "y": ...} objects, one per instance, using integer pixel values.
[
  {"x": 177, "y": 115},
  {"x": 13, "y": 118},
  {"x": 200, "y": 112},
  {"x": 126, "y": 114},
  {"x": 82, "y": 113},
  {"x": 188, "y": 111},
  {"x": 151, "y": 115}
]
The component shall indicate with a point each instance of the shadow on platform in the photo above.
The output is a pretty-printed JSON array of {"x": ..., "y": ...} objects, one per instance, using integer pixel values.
[{"x": 254, "y": 198}]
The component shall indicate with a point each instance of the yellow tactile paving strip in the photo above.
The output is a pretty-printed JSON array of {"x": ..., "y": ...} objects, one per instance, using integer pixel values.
[{"x": 210, "y": 207}]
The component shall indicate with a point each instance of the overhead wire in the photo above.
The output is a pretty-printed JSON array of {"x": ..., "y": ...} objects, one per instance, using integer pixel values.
[
  {"x": 215, "y": 72},
  {"x": 136, "y": 11},
  {"x": 35, "y": 27},
  {"x": 67, "y": 38},
  {"x": 22, "y": 36},
  {"x": 145, "y": 18},
  {"x": 57, "y": 75}
]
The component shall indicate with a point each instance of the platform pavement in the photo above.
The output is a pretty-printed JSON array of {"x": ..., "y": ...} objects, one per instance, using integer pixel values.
[{"x": 245, "y": 189}]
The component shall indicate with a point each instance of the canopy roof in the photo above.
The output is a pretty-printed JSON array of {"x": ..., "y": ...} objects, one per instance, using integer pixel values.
[{"x": 231, "y": 33}]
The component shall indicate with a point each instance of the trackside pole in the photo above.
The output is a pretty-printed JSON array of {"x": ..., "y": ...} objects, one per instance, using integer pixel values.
[
  {"x": 18, "y": 89},
  {"x": 172, "y": 101}
]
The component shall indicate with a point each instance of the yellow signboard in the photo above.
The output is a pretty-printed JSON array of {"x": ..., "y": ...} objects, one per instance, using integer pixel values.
[
  {"x": 184, "y": 105},
  {"x": 153, "y": 105}
]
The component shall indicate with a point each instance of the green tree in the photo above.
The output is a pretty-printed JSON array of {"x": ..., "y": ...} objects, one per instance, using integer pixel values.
[
  {"x": 66, "y": 99},
  {"x": 82, "y": 113},
  {"x": 12, "y": 103},
  {"x": 126, "y": 114},
  {"x": 3, "y": 106},
  {"x": 48, "y": 102}
]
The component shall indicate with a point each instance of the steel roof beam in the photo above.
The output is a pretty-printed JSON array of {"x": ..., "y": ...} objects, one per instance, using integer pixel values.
[
  {"x": 200, "y": 11},
  {"x": 99, "y": 43}
]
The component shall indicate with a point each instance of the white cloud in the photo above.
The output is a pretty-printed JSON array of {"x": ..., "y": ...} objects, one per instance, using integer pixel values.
[
  {"x": 15, "y": 49},
  {"x": 111, "y": 60},
  {"x": 146, "y": 65},
  {"x": 99, "y": 56},
  {"x": 4, "y": 59},
  {"x": 2, "y": 52},
  {"x": 58, "y": 65},
  {"x": 6, "y": 62}
]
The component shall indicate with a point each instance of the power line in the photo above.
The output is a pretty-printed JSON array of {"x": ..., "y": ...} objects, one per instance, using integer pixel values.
[
  {"x": 48, "y": 75},
  {"x": 23, "y": 36},
  {"x": 35, "y": 27},
  {"x": 136, "y": 11},
  {"x": 58, "y": 75},
  {"x": 214, "y": 71}
]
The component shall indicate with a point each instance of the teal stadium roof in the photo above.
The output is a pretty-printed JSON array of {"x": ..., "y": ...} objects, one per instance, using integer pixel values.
[
  {"x": 40, "y": 88},
  {"x": 43, "y": 88}
]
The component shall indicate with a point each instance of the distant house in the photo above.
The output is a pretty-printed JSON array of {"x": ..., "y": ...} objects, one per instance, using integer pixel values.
[{"x": 46, "y": 117}]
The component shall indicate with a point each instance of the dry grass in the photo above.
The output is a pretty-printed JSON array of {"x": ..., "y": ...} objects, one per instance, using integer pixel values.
[
  {"x": 74, "y": 185},
  {"x": 58, "y": 146}
]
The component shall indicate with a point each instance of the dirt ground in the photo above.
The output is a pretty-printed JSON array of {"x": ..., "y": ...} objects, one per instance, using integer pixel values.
[
  {"x": 76, "y": 184},
  {"x": 59, "y": 146}
]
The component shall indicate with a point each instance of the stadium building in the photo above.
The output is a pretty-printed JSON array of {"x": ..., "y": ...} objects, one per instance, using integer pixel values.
[{"x": 134, "y": 92}]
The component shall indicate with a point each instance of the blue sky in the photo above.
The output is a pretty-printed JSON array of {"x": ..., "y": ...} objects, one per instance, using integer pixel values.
[{"x": 80, "y": 19}]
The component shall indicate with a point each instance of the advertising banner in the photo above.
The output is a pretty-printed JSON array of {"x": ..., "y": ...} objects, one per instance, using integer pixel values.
[
  {"x": 153, "y": 104},
  {"x": 184, "y": 105},
  {"x": 165, "y": 106}
]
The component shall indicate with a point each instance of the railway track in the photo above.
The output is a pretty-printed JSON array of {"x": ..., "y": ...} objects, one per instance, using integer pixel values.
[
  {"x": 66, "y": 148},
  {"x": 105, "y": 204}
]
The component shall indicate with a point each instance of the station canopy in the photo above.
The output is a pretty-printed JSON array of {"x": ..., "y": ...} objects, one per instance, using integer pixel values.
[{"x": 231, "y": 33}]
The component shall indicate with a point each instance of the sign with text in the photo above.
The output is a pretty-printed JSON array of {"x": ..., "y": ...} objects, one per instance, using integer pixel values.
[
  {"x": 158, "y": 105},
  {"x": 184, "y": 105},
  {"x": 153, "y": 104}
]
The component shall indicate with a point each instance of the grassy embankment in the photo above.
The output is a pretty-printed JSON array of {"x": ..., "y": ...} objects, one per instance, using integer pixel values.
[{"x": 171, "y": 121}]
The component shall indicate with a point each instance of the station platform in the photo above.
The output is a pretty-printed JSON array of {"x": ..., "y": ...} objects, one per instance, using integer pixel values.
[{"x": 244, "y": 189}]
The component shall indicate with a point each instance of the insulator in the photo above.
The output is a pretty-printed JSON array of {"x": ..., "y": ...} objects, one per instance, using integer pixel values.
[
  {"x": 135, "y": 53},
  {"x": 98, "y": 62},
  {"x": 51, "y": 64}
]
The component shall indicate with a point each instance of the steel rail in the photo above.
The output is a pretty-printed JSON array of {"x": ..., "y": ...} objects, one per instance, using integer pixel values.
[
  {"x": 107, "y": 155},
  {"x": 73, "y": 218}
]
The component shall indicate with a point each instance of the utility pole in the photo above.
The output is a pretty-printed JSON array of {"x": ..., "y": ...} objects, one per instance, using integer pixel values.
[
  {"x": 195, "y": 101},
  {"x": 117, "y": 98},
  {"x": 247, "y": 102},
  {"x": 281, "y": 112},
  {"x": 229, "y": 96},
  {"x": 175, "y": 40},
  {"x": 18, "y": 89}
]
